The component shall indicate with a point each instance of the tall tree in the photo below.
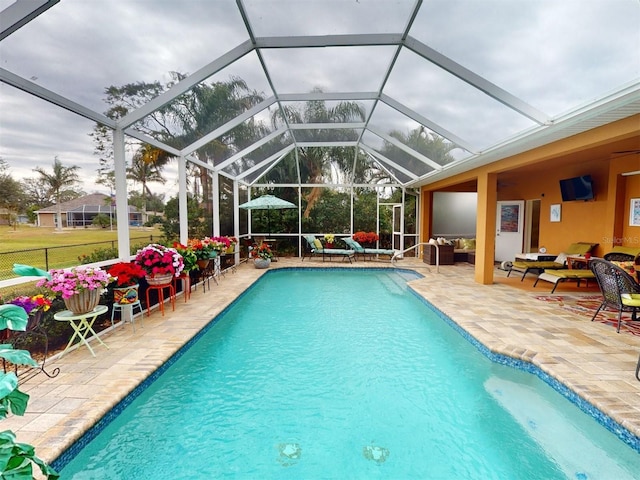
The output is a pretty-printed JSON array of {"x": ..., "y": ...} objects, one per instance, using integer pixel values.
[
  {"x": 146, "y": 167},
  {"x": 59, "y": 180},
  {"x": 12, "y": 197},
  {"x": 316, "y": 162},
  {"x": 422, "y": 141},
  {"x": 202, "y": 110},
  {"x": 188, "y": 118}
]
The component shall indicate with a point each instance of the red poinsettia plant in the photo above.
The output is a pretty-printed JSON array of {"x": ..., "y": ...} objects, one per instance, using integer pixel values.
[
  {"x": 126, "y": 273},
  {"x": 366, "y": 237},
  {"x": 262, "y": 251}
]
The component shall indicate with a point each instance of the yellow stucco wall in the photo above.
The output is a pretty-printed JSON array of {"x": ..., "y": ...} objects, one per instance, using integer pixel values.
[{"x": 536, "y": 174}]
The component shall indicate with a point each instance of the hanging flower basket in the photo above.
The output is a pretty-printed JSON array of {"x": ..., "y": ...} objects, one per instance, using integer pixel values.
[{"x": 83, "y": 302}]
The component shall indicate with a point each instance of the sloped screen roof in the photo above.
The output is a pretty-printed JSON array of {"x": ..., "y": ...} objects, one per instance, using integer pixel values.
[{"x": 469, "y": 76}]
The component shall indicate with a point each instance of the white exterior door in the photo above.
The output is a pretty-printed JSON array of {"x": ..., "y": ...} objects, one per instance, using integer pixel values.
[{"x": 509, "y": 230}]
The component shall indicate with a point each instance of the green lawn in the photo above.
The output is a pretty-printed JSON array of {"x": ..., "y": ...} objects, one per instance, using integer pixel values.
[
  {"x": 26, "y": 237},
  {"x": 46, "y": 248}
]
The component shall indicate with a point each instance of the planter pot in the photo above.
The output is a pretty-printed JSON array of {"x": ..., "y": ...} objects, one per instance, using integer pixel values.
[
  {"x": 203, "y": 264},
  {"x": 83, "y": 302},
  {"x": 163, "y": 279},
  {"x": 329, "y": 245},
  {"x": 125, "y": 295},
  {"x": 213, "y": 254},
  {"x": 34, "y": 320},
  {"x": 231, "y": 249},
  {"x": 262, "y": 262}
]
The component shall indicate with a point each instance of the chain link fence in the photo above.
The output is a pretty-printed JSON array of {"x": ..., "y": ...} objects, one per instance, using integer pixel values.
[{"x": 62, "y": 256}]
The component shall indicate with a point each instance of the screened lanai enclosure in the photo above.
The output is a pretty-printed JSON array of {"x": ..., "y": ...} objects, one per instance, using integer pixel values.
[{"x": 343, "y": 107}]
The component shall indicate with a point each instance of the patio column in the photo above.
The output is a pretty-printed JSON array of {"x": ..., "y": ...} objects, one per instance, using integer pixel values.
[
  {"x": 486, "y": 227},
  {"x": 122, "y": 205},
  {"x": 183, "y": 214},
  {"x": 215, "y": 199}
]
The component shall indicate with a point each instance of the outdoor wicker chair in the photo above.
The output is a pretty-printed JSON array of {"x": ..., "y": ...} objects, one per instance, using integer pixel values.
[{"x": 619, "y": 290}]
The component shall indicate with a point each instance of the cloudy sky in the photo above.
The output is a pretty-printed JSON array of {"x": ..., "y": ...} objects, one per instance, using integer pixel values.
[{"x": 555, "y": 55}]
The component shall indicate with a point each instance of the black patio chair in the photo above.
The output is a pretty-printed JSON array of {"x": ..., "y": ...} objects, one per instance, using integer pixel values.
[
  {"x": 619, "y": 257},
  {"x": 617, "y": 288}
]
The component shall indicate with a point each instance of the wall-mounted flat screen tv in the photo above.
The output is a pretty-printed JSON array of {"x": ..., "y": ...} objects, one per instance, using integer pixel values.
[{"x": 577, "y": 188}]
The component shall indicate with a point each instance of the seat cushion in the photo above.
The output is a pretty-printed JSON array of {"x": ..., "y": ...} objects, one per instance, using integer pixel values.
[
  {"x": 630, "y": 299},
  {"x": 540, "y": 265},
  {"x": 570, "y": 273},
  {"x": 580, "y": 248}
]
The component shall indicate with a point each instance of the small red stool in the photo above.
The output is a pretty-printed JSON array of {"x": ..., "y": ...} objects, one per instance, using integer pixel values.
[
  {"x": 186, "y": 285},
  {"x": 160, "y": 290}
]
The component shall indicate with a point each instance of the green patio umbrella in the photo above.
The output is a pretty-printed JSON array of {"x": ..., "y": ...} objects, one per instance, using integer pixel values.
[{"x": 267, "y": 202}]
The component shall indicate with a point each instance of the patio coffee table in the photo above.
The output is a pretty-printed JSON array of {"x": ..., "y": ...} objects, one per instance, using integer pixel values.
[{"x": 82, "y": 325}]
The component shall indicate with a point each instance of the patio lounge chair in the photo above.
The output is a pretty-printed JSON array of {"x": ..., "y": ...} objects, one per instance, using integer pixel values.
[
  {"x": 560, "y": 262},
  {"x": 564, "y": 275},
  {"x": 619, "y": 290},
  {"x": 315, "y": 247},
  {"x": 367, "y": 252}
]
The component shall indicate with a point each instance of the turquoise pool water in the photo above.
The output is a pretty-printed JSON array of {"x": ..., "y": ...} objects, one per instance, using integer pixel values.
[{"x": 336, "y": 374}]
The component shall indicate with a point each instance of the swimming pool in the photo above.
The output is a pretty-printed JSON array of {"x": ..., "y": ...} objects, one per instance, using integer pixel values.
[{"x": 344, "y": 374}]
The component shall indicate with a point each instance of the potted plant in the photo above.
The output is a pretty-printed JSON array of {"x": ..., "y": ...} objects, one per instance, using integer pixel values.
[
  {"x": 80, "y": 287},
  {"x": 17, "y": 459},
  {"x": 329, "y": 238},
  {"x": 367, "y": 239},
  {"x": 231, "y": 248},
  {"x": 202, "y": 251},
  {"x": 219, "y": 244},
  {"x": 189, "y": 256},
  {"x": 262, "y": 255},
  {"x": 126, "y": 276},
  {"x": 160, "y": 263},
  {"x": 34, "y": 305}
]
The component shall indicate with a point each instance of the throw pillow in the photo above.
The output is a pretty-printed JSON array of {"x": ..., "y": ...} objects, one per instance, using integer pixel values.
[
  {"x": 318, "y": 244},
  {"x": 561, "y": 258},
  {"x": 468, "y": 243}
]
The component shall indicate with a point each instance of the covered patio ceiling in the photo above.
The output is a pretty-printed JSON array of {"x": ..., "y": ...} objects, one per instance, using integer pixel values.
[{"x": 490, "y": 79}]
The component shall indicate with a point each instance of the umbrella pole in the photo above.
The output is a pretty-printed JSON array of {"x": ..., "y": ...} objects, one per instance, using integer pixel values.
[{"x": 269, "y": 221}]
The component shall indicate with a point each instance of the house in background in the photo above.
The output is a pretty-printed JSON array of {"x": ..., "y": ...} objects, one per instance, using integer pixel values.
[{"x": 80, "y": 212}]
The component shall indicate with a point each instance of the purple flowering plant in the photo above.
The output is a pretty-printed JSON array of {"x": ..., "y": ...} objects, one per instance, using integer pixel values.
[
  {"x": 75, "y": 280},
  {"x": 160, "y": 260},
  {"x": 32, "y": 304}
]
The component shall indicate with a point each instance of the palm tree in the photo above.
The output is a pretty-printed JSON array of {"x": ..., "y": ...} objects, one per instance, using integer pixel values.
[
  {"x": 419, "y": 139},
  {"x": 206, "y": 107},
  {"x": 146, "y": 166},
  {"x": 61, "y": 178},
  {"x": 316, "y": 162}
]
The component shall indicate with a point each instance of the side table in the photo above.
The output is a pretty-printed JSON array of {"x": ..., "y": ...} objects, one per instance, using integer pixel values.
[
  {"x": 82, "y": 325},
  {"x": 575, "y": 262}
]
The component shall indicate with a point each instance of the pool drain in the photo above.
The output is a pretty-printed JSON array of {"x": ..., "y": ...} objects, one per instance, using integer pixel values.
[
  {"x": 375, "y": 453},
  {"x": 289, "y": 453}
]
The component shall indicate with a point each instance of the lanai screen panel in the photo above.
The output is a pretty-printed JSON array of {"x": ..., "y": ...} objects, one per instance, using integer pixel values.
[
  {"x": 555, "y": 55},
  {"x": 476, "y": 73}
]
